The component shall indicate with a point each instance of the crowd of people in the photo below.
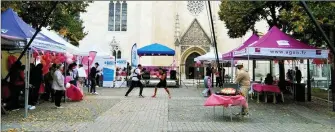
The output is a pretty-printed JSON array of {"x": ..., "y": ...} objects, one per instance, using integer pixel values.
[{"x": 49, "y": 87}]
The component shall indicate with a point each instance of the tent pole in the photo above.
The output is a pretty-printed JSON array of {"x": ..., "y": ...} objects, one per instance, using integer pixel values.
[
  {"x": 35, "y": 34},
  {"x": 309, "y": 89},
  {"x": 27, "y": 78},
  {"x": 215, "y": 45}
]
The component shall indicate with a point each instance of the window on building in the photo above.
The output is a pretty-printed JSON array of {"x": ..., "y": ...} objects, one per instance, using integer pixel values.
[
  {"x": 114, "y": 53},
  {"x": 124, "y": 17},
  {"x": 111, "y": 17},
  {"x": 119, "y": 54},
  {"x": 117, "y": 16}
]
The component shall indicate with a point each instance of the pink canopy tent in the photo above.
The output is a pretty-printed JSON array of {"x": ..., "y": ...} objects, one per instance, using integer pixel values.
[
  {"x": 230, "y": 55},
  {"x": 277, "y": 45}
]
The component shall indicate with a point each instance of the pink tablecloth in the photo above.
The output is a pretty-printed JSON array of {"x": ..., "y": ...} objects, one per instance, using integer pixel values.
[
  {"x": 218, "y": 100},
  {"x": 266, "y": 88}
]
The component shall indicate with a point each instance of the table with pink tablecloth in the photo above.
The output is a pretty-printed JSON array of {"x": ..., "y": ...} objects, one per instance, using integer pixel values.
[
  {"x": 267, "y": 88},
  {"x": 226, "y": 101}
]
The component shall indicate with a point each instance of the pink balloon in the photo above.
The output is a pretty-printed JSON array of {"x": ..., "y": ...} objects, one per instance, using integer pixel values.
[{"x": 69, "y": 60}]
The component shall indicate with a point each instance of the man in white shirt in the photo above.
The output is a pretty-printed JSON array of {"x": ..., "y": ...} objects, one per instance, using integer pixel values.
[
  {"x": 135, "y": 80},
  {"x": 82, "y": 75}
]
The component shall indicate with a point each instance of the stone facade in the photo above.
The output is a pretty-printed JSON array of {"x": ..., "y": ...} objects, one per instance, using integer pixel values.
[{"x": 180, "y": 25}]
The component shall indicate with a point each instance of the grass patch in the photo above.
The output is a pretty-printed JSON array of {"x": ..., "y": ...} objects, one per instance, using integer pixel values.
[{"x": 321, "y": 93}]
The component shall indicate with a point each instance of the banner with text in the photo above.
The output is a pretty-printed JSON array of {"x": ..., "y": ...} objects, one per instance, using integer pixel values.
[
  {"x": 108, "y": 72},
  {"x": 121, "y": 73},
  {"x": 134, "y": 56}
]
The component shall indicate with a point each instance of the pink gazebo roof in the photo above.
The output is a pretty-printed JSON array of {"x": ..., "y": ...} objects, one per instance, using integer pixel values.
[
  {"x": 249, "y": 41},
  {"x": 276, "y": 44}
]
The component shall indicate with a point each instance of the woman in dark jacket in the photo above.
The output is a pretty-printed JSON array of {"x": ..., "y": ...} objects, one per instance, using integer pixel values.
[
  {"x": 16, "y": 84},
  {"x": 36, "y": 79},
  {"x": 268, "y": 79}
]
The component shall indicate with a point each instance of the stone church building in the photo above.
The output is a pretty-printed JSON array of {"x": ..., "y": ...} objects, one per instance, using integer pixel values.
[{"x": 181, "y": 25}]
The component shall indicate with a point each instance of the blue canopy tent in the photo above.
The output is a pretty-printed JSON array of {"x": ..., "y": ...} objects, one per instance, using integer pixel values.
[
  {"x": 155, "y": 50},
  {"x": 15, "y": 29}
]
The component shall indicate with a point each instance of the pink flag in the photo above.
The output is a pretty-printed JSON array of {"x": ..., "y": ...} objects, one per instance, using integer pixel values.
[{"x": 88, "y": 60}]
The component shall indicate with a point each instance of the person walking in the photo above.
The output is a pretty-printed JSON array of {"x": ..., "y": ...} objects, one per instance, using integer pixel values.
[
  {"x": 93, "y": 74},
  {"x": 58, "y": 85},
  {"x": 162, "y": 83},
  {"x": 243, "y": 79},
  {"x": 136, "y": 81}
]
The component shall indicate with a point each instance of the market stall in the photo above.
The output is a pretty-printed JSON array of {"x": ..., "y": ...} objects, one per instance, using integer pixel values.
[
  {"x": 16, "y": 34},
  {"x": 158, "y": 50},
  {"x": 276, "y": 45}
]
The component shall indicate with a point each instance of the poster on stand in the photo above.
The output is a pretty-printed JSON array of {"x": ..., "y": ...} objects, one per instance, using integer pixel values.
[
  {"x": 108, "y": 71},
  {"x": 121, "y": 73}
]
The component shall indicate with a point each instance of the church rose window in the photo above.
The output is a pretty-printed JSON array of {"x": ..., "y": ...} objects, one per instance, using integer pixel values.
[{"x": 195, "y": 7}]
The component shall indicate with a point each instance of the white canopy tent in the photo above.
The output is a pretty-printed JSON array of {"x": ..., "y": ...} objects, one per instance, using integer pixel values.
[
  {"x": 53, "y": 35},
  {"x": 208, "y": 57},
  {"x": 87, "y": 49}
]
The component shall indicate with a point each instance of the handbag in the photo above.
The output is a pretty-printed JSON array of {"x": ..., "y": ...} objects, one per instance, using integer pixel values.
[{"x": 41, "y": 90}]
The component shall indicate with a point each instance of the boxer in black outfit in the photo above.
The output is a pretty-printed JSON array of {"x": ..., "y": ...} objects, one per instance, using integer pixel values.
[{"x": 162, "y": 83}]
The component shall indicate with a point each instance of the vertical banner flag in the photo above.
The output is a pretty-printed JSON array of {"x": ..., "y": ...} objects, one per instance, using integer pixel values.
[
  {"x": 108, "y": 72},
  {"x": 121, "y": 73},
  {"x": 134, "y": 56}
]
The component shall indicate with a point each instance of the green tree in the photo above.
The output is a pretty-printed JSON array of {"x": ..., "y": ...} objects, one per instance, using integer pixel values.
[
  {"x": 241, "y": 16},
  {"x": 65, "y": 18}
]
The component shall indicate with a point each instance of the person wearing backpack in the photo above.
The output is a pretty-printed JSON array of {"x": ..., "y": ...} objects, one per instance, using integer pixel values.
[{"x": 136, "y": 80}]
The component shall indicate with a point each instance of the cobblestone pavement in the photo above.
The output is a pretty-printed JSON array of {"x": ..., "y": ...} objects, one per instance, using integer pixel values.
[{"x": 111, "y": 111}]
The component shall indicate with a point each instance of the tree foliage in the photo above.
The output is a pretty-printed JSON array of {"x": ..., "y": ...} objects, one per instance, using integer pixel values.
[
  {"x": 240, "y": 17},
  {"x": 65, "y": 18}
]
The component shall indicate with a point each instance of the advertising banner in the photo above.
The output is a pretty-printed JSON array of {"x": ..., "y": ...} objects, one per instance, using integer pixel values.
[
  {"x": 121, "y": 73},
  {"x": 108, "y": 64},
  {"x": 134, "y": 56}
]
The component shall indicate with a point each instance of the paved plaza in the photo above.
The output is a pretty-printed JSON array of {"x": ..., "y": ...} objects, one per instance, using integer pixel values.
[{"x": 111, "y": 111}]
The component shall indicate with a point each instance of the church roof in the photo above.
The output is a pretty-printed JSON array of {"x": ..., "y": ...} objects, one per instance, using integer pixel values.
[{"x": 194, "y": 22}]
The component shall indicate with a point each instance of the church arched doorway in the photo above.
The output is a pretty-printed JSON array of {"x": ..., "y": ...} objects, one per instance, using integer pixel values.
[{"x": 191, "y": 71}]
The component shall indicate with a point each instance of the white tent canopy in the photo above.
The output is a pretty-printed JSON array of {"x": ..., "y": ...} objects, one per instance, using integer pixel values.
[
  {"x": 210, "y": 56},
  {"x": 87, "y": 49},
  {"x": 54, "y": 36}
]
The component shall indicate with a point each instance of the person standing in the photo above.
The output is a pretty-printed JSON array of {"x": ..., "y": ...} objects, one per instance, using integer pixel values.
[
  {"x": 243, "y": 79},
  {"x": 36, "y": 80},
  {"x": 136, "y": 80},
  {"x": 58, "y": 85},
  {"x": 206, "y": 91},
  {"x": 82, "y": 76},
  {"x": 75, "y": 74},
  {"x": 16, "y": 83},
  {"x": 298, "y": 75},
  {"x": 93, "y": 74},
  {"x": 98, "y": 74},
  {"x": 48, "y": 84},
  {"x": 162, "y": 83},
  {"x": 218, "y": 77}
]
